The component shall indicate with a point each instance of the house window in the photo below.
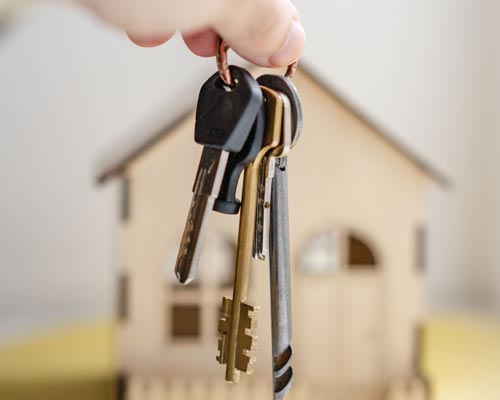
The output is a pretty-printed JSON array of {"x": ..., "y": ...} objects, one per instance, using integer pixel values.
[
  {"x": 219, "y": 259},
  {"x": 420, "y": 248},
  {"x": 186, "y": 305},
  {"x": 123, "y": 294},
  {"x": 321, "y": 254},
  {"x": 360, "y": 254},
  {"x": 185, "y": 321},
  {"x": 328, "y": 250}
]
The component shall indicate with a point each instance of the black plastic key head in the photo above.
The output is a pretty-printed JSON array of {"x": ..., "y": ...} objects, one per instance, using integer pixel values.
[
  {"x": 227, "y": 203},
  {"x": 224, "y": 116}
]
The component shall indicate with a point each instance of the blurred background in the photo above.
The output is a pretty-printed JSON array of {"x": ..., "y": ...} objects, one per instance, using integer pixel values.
[{"x": 74, "y": 92}]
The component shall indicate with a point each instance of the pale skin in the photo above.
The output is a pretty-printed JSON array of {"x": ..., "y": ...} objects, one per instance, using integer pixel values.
[{"x": 265, "y": 32}]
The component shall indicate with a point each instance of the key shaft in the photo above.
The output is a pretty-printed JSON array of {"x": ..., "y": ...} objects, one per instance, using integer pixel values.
[
  {"x": 279, "y": 260},
  {"x": 206, "y": 189}
]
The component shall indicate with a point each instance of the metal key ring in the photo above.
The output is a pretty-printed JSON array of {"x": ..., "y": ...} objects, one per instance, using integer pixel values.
[
  {"x": 223, "y": 66},
  {"x": 291, "y": 69}
]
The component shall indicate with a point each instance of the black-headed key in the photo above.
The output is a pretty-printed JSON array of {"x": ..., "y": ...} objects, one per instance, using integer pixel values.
[
  {"x": 227, "y": 203},
  {"x": 224, "y": 120}
]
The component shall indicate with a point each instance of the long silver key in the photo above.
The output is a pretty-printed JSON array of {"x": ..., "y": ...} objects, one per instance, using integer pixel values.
[
  {"x": 224, "y": 120},
  {"x": 279, "y": 262}
]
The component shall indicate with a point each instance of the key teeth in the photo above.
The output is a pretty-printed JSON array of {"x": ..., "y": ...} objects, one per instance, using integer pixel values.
[
  {"x": 223, "y": 327},
  {"x": 248, "y": 311},
  {"x": 225, "y": 316},
  {"x": 244, "y": 363},
  {"x": 226, "y": 307},
  {"x": 222, "y": 347},
  {"x": 247, "y": 342}
]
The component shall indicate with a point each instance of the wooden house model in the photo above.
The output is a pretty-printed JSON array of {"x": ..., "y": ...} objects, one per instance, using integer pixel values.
[{"x": 357, "y": 230}]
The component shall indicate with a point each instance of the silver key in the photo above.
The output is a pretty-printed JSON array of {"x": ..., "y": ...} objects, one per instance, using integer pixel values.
[
  {"x": 261, "y": 249},
  {"x": 206, "y": 189},
  {"x": 279, "y": 262}
]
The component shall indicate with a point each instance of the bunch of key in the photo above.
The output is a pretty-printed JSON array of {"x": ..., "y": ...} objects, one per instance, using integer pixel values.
[{"x": 247, "y": 126}]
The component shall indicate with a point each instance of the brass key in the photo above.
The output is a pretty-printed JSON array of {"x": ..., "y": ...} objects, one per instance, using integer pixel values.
[{"x": 238, "y": 318}]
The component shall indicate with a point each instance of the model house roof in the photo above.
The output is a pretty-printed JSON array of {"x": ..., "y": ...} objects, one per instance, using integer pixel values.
[{"x": 118, "y": 167}]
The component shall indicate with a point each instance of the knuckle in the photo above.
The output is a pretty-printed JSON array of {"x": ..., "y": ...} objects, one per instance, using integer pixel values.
[
  {"x": 265, "y": 24},
  {"x": 269, "y": 27}
]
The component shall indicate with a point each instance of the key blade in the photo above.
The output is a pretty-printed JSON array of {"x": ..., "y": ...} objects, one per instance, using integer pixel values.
[
  {"x": 266, "y": 220},
  {"x": 264, "y": 204},
  {"x": 259, "y": 215},
  {"x": 262, "y": 220},
  {"x": 206, "y": 189}
]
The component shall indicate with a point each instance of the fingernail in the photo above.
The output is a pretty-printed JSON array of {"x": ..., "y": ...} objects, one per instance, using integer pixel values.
[
  {"x": 149, "y": 40},
  {"x": 292, "y": 48}
]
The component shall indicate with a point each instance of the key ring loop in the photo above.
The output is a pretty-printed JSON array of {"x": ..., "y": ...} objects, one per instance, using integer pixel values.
[
  {"x": 291, "y": 69},
  {"x": 223, "y": 66}
]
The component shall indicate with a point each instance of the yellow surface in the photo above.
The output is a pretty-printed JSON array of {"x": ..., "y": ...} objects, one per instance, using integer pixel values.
[
  {"x": 462, "y": 358},
  {"x": 80, "y": 352},
  {"x": 74, "y": 363}
]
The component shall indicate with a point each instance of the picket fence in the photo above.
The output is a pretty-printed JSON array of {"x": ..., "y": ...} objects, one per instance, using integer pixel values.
[
  {"x": 203, "y": 389},
  {"x": 139, "y": 388}
]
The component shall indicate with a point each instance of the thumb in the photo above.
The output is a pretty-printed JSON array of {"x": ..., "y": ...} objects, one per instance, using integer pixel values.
[{"x": 265, "y": 32}]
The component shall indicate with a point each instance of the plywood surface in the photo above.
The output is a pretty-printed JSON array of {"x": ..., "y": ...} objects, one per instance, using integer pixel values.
[{"x": 461, "y": 356}]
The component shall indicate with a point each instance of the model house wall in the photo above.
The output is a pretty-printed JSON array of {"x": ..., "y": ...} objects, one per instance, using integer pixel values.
[{"x": 357, "y": 231}]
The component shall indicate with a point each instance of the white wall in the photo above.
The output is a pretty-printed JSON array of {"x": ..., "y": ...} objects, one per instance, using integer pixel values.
[
  {"x": 421, "y": 69},
  {"x": 494, "y": 155},
  {"x": 73, "y": 92}
]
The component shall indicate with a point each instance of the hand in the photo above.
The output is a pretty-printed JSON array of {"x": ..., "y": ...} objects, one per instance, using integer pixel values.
[{"x": 265, "y": 32}]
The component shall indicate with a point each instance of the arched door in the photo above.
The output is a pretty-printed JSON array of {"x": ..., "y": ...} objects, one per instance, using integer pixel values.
[{"x": 338, "y": 314}]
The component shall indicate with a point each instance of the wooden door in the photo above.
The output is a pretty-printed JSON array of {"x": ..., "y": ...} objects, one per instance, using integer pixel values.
[
  {"x": 360, "y": 328},
  {"x": 338, "y": 331}
]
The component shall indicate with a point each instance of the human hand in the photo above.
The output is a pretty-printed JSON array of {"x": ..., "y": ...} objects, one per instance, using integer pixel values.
[{"x": 265, "y": 32}]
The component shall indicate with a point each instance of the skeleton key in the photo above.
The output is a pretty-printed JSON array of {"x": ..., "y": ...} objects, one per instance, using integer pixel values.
[
  {"x": 261, "y": 246},
  {"x": 238, "y": 318},
  {"x": 279, "y": 263},
  {"x": 224, "y": 118}
]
